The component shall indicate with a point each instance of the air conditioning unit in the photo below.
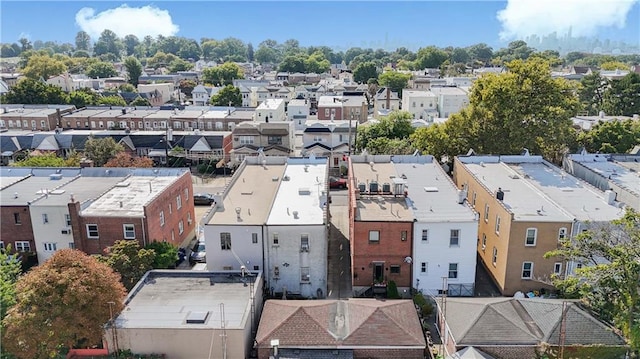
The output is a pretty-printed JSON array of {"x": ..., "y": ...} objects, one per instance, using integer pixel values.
[
  {"x": 66, "y": 231},
  {"x": 306, "y": 278}
]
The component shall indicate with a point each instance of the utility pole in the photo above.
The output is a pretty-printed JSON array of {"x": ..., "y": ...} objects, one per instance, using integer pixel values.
[{"x": 114, "y": 333}]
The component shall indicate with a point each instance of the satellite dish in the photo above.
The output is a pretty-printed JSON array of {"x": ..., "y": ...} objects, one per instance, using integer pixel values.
[{"x": 408, "y": 260}]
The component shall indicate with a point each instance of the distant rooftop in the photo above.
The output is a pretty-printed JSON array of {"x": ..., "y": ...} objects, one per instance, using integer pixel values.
[
  {"x": 303, "y": 191},
  {"x": 167, "y": 299},
  {"x": 270, "y": 104},
  {"x": 128, "y": 198},
  {"x": 18, "y": 193},
  {"x": 82, "y": 189},
  {"x": 448, "y": 90},
  {"x": 624, "y": 173}
]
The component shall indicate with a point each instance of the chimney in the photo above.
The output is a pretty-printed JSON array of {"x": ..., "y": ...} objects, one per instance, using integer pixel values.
[
  {"x": 388, "y": 98},
  {"x": 120, "y": 204},
  {"x": 500, "y": 194}
]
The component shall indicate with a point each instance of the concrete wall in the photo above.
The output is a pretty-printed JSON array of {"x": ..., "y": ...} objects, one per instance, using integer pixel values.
[{"x": 251, "y": 254}]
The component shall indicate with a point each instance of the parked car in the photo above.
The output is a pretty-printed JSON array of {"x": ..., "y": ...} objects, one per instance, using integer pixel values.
[
  {"x": 205, "y": 199},
  {"x": 198, "y": 253},
  {"x": 335, "y": 182}
]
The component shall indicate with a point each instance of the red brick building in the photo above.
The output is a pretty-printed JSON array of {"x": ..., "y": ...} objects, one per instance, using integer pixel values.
[
  {"x": 146, "y": 209},
  {"x": 381, "y": 227}
]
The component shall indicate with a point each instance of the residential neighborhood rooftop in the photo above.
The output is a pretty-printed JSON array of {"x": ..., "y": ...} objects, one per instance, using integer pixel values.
[
  {"x": 624, "y": 173},
  {"x": 301, "y": 197},
  {"x": 17, "y": 192},
  {"x": 169, "y": 299},
  {"x": 127, "y": 198},
  {"x": 270, "y": 104},
  {"x": 81, "y": 189}
]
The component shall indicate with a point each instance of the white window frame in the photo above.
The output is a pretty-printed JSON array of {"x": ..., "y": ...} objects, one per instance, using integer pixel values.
[
  {"x": 180, "y": 227},
  {"x": 225, "y": 241},
  {"x": 304, "y": 242},
  {"x": 374, "y": 236},
  {"x": 535, "y": 237},
  {"x": 129, "y": 231},
  {"x": 425, "y": 235},
  {"x": 562, "y": 233},
  {"x": 161, "y": 218},
  {"x": 67, "y": 219},
  {"x": 453, "y": 271},
  {"x": 494, "y": 256},
  {"x": 486, "y": 212},
  {"x": 89, "y": 231},
  {"x": 186, "y": 194},
  {"x": 456, "y": 237},
  {"x": 50, "y": 247},
  {"x": 179, "y": 202},
  {"x": 22, "y": 246},
  {"x": 530, "y": 270},
  {"x": 424, "y": 268},
  {"x": 497, "y": 224},
  {"x": 484, "y": 241},
  {"x": 45, "y": 218},
  {"x": 557, "y": 268}
]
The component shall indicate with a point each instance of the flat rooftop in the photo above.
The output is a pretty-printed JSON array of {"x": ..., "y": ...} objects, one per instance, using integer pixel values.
[
  {"x": 270, "y": 104},
  {"x": 138, "y": 113},
  {"x": 253, "y": 193},
  {"x": 380, "y": 208},
  {"x": 127, "y": 199},
  {"x": 84, "y": 113},
  {"x": 418, "y": 93},
  {"x": 449, "y": 90},
  {"x": 302, "y": 190},
  {"x": 27, "y": 190},
  {"x": 434, "y": 197},
  {"x": 583, "y": 201},
  {"x": 625, "y": 174},
  {"x": 166, "y": 300},
  {"x": 82, "y": 189},
  {"x": 520, "y": 196}
]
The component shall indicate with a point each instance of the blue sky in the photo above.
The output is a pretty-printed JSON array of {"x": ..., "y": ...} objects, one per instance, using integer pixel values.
[{"x": 376, "y": 24}]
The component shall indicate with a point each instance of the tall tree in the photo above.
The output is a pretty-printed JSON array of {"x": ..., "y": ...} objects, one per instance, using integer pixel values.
[
  {"x": 365, "y": 71},
  {"x": 130, "y": 43},
  {"x": 316, "y": 63},
  {"x": 250, "y": 53},
  {"x": 129, "y": 260},
  {"x": 180, "y": 65},
  {"x": 112, "y": 100},
  {"x": 101, "y": 70},
  {"x": 187, "y": 86},
  {"x": 10, "y": 270},
  {"x": 124, "y": 159},
  {"x": 62, "y": 303},
  {"x": 222, "y": 75},
  {"x": 25, "y": 44},
  {"x": 608, "y": 281},
  {"x": 139, "y": 101},
  {"x": 267, "y": 52},
  {"x": 592, "y": 91},
  {"x": 134, "y": 70},
  {"x": 292, "y": 63},
  {"x": 623, "y": 96},
  {"x": 394, "y": 80},
  {"x": 101, "y": 150},
  {"x": 228, "y": 95},
  {"x": 108, "y": 43},
  {"x": 82, "y": 98},
  {"x": 611, "y": 136},
  {"x": 28, "y": 91},
  {"x": 40, "y": 66},
  {"x": 166, "y": 255},
  {"x": 83, "y": 41},
  {"x": 430, "y": 58},
  {"x": 375, "y": 137}
]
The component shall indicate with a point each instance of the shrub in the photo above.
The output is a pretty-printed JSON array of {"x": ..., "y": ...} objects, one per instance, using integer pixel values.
[{"x": 392, "y": 290}]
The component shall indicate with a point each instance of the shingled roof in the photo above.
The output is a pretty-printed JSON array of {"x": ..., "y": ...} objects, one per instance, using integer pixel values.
[{"x": 345, "y": 323}]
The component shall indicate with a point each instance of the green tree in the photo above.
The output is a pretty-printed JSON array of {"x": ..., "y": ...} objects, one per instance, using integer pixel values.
[
  {"x": 40, "y": 66},
  {"x": 108, "y": 43},
  {"x": 28, "y": 91},
  {"x": 112, "y": 100},
  {"x": 365, "y": 71},
  {"x": 430, "y": 58},
  {"x": 375, "y": 138},
  {"x": 611, "y": 136},
  {"x": 432, "y": 140},
  {"x": 481, "y": 53},
  {"x": 222, "y": 75},
  {"x": 101, "y": 70},
  {"x": 180, "y": 65},
  {"x": 292, "y": 63},
  {"x": 394, "y": 80},
  {"x": 614, "y": 65},
  {"x": 623, "y": 96},
  {"x": 139, "y": 101},
  {"x": 81, "y": 53},
  {"x": 316, "y": 63},
  {"x": 516, "y": 50},
  {"x": 83, "y": 98},
  {"x": 229, "y": 49},
  {"x": 460, "y": 55},
  {"x": 129, "y": 260},
  {"x": 591, "y": 92},
  {"x": 227, "y": 95},
  {"x": 187, "y": 86},
  {"x": 130, "y": 42},
  {"x": 166, "y": 254},
  {"x": 134, "y": 70},
  {"x": 48, "y": 160},
  {"x": 250, "y": 52},
  {"x": 10, "y": 270},
  {"x": 101, "y": 150},
  {"x": 161, "y": 59},
  {"x": 608, "y": 281},
  {"x": 62, "y": 303},
  {"x": 25, "y": 44},
  {"x": 267, "y": 52},
  {"x": 127, "y": 88},
  {"x": 83, "y": 41}
]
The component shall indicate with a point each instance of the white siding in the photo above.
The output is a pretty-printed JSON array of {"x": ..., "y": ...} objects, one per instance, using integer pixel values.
[
  {"x": 50, "y": 232},
  {"x": 241, "y": 244}
]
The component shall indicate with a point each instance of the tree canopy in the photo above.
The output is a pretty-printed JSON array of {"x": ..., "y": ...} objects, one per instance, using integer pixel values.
[
  {"x": 389, "y": 136},
  {"x": 608, "y": 281},
  {"x": 48, "y": 160},
  {"x": 365, "y": 71},
  {"x": 394, "y": 80},
  {"x": 10, "y": 270},
  {"x": 124, "y": 159},
  {"x": 134, "y": 70},
  {"x": 101, "y": 150},
  {"x": 611, "y": 136},
  {"x": 222, "y": 75},
  {"x": 62, "y": 303},
  {"x": 129, "y": 260},
  {"x": 29, "y": 91},
  {"x": 42, "y": 66},
  {"x": 166, "y": 254},
  {"x": 101, "y": 70},
  {"x": 227, "y": 95}
]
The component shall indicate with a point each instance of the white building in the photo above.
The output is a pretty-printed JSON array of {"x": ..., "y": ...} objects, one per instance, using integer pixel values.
[
  {"x": 298, "y": 112},
  {"x": 270, "y": 110},
  {"x": 329, "y": 139},
  {"x": 386, "y": 101},
  {"x": 271, "y": 217},
  {"x": 201, "y": 95},
  {"x": 422, "y": 105},
  {"x": 445, "y": 229},
  {"x": 450, "y": 100},
  {"x": 167, "y": 90}
]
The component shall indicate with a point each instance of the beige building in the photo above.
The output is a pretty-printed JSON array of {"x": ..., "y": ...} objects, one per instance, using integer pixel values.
[
  {"x": 189, "y": 314},
  {"x": 526, "y": 206},
  {"x": 269, "y": 138}
]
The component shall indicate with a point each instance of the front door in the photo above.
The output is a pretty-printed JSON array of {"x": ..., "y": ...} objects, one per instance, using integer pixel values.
[{"x": 378, "y": 272}]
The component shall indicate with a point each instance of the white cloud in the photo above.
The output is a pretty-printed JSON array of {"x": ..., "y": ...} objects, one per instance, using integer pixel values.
[
  {"x": 125, "y": 20},
  {"x": 521, "y": 18}
]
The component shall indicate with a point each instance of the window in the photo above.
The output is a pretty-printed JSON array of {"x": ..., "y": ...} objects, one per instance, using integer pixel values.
[
  {"x": 170, "y": 208},
  {"x": 453, "y": 270},
  {"x": 72, "y": 245},
  {"x": 276, "y": 240},
  {"x": 486, "y": 212},
  {"x": 256, "y": 267},
  {"x": 162, "y": 218},
  {"x": 50, "y": 247},
  {"x": 178, "y": 202},
  {"x": 189, "y": 218},
  {"x": 374, "y": 236},
  {"x": 67, "y": 219},
  {"x": 423, "y": 267},
  {"x": 454, "y": 238},
  {"x": 246, "y": 140},
  {"x": 92, "y": 230},
  {"x": 173, "y": 235},
  {"x": 304, "y": 242},
  {"x": 23, "y": 246},
  {"x": 425, "y": 235},
  {"x": 305, "y": 276},
  {"x": 497, "y": 224},
  {"x": 45, "y": 218},
  {"x": 473, "y": 199},
  {"x": 562, "y": 234},
  {"x": 326, "y": 112},
  {"x": 557, "y": 268},
  {"x": 254, "y": 238},
  {"x": 16, "y": 218},
  {"x": 484, "y": 241},
  {"x": 225, "y": 241},
  {"x": 532, "y": 233},
  {"x": 527, "y": 270},
  {"x": 394, "y": 269},
  {"x": 494, "y": 258},
  {"x": 579, "y": 266},
  {"x": 274, "y": 140},
  {"x": 186, "y": 193},
  {"x": 403, "y": 235},
  {"x": 129, "y": 231},
  {"x": 180, "y": 227}
]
